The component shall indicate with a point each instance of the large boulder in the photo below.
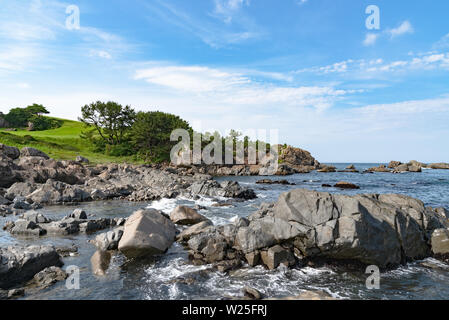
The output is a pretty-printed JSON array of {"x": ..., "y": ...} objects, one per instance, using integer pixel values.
[
  {"x": 19, "y": 264},
  {"x": 440, "y": 242},
  {"x": 8, "y": 172},
  {"x": 146, "y": 233},
  {"x": 31, "y": 152},
  {"x": 186, "y": 216}
]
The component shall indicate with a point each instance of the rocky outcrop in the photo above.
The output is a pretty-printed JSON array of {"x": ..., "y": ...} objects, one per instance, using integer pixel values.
[
  {"x": 146, "y": 233},
  {"x": 440, "y": 166},
  {"x": 384, "y": 230},
  {"x": 380, "y": 168},
  {"x": 46, "y": 181},
  {"x": 20, "y": 264}
]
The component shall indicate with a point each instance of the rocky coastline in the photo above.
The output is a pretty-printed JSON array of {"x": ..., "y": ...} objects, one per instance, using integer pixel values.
[{"x": 303, "y": 228}]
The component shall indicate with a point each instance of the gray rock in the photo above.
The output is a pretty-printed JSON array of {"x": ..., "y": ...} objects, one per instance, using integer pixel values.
[
  {"x": 147, "y": 232},
  {"x": 19, "y": 264},
  {"x": 31, "y": 152},
  {"x": 81, "y": 159},
  {"x": 440, "y": 242},
  {"x": 23, "y": 227},
  {"x": 196, "y": 229},
  {"x": 108, "y": 240},
  {"x": 48, "y": 277},
  {"x": 79, "y": 214},
  {"x": 276, "y": 256},
  {"x": 10, "y": 152},
  {"x": 186, "y": 216},
  {"x": 35, "y": 217}
]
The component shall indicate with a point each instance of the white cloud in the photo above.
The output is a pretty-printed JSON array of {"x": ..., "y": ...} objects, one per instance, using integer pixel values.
[
  {"x": 100, "y": 54},
  {"x": 405, "y": 27},
  {"x": 370, "y": 39}
]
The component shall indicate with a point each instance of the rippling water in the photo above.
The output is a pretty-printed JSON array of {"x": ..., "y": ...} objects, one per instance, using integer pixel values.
[{"x": 171, "y": 277}]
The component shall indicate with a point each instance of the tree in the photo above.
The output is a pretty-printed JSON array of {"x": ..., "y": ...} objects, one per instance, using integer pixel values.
[
  {"x": 150, "y": 134},
  {"x": 37, "y": 109},
  {"x": 111, "y": 120},
  {"x": 18, "y": 117}
]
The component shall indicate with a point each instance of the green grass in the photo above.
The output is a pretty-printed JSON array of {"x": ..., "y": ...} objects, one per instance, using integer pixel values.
[{"x": 63, "y": 143}]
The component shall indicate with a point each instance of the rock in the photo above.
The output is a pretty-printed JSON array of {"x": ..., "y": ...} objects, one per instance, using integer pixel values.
[
  {"x": 276, "y": 256},
  {"x": 440, "y": 166},
  {"x": 196, "y": 229},
  {"x": 440, "y": 242},
  {"x": 79, "y": 214},
  {"x": 20, "y": 189},
  {"x": 108, "y": 240},
  {"x": 20, "y": 203},
  {"x": 296, "y": 157},
  {"x": 147, "y": 232},
  {"x": 402, "y": 168},
  {"x": 325, "y": 185},
  {"x": 48, "y": 277},
  {"x": 56, "y": 192},
  {"x": 35, "y": 217},
  {"x": 346, "y": 185},
  {"x": 382, "y": 168},
  {"x": 4, "y": 201},
  {"x": 186, "y": 216},
  {"x": 252, "y": 293},
  {"x": 16, "y": 293},
  {"x": 67, "y": 251},
  {"x": 100, "y": 262},
  {"x": 81, "y": 159},
  {"x": 26, "y": 228},
  {"x": 253, "y": 258},
  {"x": 350, "y": 167},
  {"x": 281, "y": 182},
  {"x": 10, "y": 152},
  {"x": 394, "y": 164},
  {"x": 327, "y": 169},
  {"x": 62, "y": 228},
  {"x": 310, "y": 295},
  {"x": 19, "y": 264},
  {"x": 31, "y": 152}
]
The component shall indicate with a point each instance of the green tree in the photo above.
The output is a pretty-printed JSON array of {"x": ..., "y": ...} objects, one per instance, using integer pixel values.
[
  {"x": 37, "y": 109},
  {"x": 111, "y": 120},
  {"x": 18, "y": 117},
  {"x": 150, "y": 134}
]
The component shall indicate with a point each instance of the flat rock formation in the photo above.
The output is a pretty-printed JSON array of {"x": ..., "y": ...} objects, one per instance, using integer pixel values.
[{"x": 303, "y": 225}]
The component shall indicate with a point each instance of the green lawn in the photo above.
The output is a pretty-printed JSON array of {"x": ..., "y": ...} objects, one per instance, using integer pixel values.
[{"x": 63, "y": 143}]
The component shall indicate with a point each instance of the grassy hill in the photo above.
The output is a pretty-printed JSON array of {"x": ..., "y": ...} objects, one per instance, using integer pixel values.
[{"x": 63, "y": 143}]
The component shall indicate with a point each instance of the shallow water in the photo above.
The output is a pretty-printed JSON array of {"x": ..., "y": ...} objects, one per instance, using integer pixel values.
[{"x": 171, "y": 277}]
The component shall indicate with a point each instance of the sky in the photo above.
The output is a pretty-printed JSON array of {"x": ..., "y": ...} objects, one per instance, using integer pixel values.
[{"x": 345, "y": 89}]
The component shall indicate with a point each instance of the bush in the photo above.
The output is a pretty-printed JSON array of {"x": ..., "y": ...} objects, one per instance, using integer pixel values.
[
  {"x": 41, "y": 123},
  {"x": 18, "y": 117},
  {"x": 150, "y": 134}
]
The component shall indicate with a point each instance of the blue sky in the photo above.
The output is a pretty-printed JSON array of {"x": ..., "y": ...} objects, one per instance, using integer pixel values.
[{"x": 310, "y": 69}]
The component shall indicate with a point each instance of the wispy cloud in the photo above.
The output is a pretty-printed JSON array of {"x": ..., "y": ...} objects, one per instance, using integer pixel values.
[
  {"x": 404, "y": 28},
  {"x": 370, "y": 39}
]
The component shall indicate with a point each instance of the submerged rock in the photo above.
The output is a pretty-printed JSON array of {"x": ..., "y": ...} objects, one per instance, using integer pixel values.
[{"x": 346, "y": 185}]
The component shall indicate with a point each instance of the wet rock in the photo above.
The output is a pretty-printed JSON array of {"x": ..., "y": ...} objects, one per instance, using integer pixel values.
[
  {"x": 20, "y": 203},
  {"x": 381, "y": 168},
  {"x": 19, "y": 264},
  {"x": 252, "y": 293},
  {"x": 67, "y": 251},
  {"x": 62, "y": 227},
  {"x": 310, "y": 295},
  {"x": 147, "y": 232},
  {"x": 186, "y": 216},
  {"x": 346, "y": 185},
  {"x": 326, "y": 185},
  {"x": 327, "y": 169},
  {"x": 100, "y": 262},
  {"x": 16, "y": 293},
  {"x": 31, "y": 152},
  {"x": 48, "y": 277},
  {"x": 276, "y": 256},
  {"x": 228, "y": 265},
  {"x": 108, "y": 240}
]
